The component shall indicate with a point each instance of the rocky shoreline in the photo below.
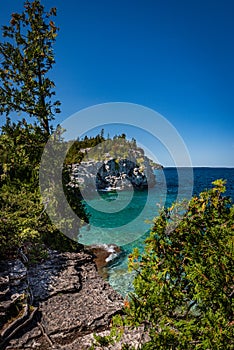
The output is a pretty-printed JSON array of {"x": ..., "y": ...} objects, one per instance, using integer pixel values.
[
  {"x": 54, "y": 304},
  {"x": 59, "y": 303}
]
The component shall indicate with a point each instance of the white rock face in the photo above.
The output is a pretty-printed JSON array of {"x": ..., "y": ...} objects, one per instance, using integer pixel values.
[{"x": 113, "y": 174}]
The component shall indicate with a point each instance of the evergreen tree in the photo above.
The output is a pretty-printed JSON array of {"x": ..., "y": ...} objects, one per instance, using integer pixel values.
[{"x": 26, "y": 58}]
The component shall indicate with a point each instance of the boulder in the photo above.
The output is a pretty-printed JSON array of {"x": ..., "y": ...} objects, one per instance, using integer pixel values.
[{"x": 104, "y": 255}]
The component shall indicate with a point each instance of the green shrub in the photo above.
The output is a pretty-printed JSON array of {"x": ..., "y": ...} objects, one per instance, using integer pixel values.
[{"x": 184, "y": 287}]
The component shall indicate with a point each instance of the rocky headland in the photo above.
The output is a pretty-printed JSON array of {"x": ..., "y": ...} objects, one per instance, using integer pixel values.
[
  {"x": 113, "y": 164},
  {"x": 113, "y": 174}
]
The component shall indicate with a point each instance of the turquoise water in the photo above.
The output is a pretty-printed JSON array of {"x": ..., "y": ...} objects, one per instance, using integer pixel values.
[
  {"x": 124, "y": 226},
  {"x": 125, "y": 218}
]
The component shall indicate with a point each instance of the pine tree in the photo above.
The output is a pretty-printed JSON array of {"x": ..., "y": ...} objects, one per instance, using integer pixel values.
[{"x": 26, "y": 58}]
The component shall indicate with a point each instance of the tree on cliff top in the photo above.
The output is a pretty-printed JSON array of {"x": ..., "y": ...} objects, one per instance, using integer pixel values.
[{"x": 25, "y": 60}]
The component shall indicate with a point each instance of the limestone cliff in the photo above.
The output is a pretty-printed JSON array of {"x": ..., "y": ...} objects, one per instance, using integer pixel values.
[{"x": 112, "y": 174}]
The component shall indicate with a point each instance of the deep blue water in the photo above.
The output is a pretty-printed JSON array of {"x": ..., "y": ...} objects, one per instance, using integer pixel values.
[
  {"x": 122, "y": 221},
  {"x": 202, "y": 179}
]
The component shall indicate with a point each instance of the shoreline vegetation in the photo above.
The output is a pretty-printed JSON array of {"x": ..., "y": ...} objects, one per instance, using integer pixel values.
[{"x": 51, "y": 296}]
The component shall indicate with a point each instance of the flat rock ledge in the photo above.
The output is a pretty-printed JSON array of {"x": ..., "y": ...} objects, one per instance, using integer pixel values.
[
  {"x": 65, "y": 296},
  {"x": 57, "y": 304}
]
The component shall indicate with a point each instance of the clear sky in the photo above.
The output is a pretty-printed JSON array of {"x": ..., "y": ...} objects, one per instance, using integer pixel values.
[{"x": 174, "y": 56}]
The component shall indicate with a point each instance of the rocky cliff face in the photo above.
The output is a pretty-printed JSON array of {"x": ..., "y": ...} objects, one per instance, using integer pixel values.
[{"x": 112, "y": 174}]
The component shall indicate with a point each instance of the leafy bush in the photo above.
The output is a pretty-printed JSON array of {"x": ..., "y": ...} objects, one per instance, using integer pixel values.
[{"x": 184, "y": 286}]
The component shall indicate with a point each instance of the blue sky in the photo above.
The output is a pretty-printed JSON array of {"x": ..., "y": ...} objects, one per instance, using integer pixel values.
[{"x": 174, "y": 56}]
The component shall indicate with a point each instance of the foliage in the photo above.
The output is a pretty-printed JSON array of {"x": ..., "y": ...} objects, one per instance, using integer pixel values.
[
  {"x": 23, "y": 220},
  {"x": 77, "y": 148},
  {"x": 184, "y": 286},
  {"x": 21, "y": 146},
  {"x": 114, "y": 335},
  {"x": 98, "y": 149},
  {"x": 26, "y": 59},
  {"x": 25, "y": 225},
  {"x": 20, "y": 221}
]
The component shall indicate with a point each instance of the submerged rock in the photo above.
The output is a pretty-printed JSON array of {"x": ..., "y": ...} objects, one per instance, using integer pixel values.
[{"x": 104, "y": 254}]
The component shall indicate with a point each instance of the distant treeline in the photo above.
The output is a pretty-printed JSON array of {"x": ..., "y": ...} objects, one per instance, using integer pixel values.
[{"x": 100, "y": 147}]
